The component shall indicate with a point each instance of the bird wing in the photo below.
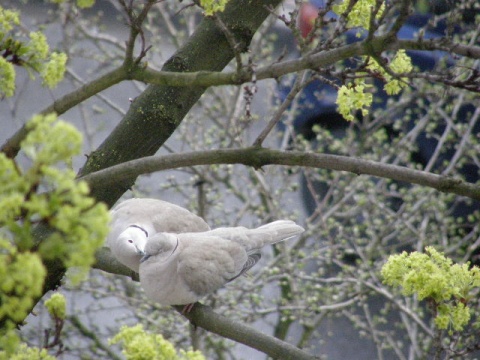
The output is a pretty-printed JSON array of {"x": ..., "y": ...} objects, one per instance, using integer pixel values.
[
  {"x": 154, "y": 216},
  {"x": 254, "y": 239},
  {"x": 175, "y": 219},
  {"x": 207, "y": 263},
  {"x": 251, "y": 261}
]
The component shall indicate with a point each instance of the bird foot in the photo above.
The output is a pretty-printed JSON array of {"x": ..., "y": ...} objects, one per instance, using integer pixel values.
[{"x": 187, "y": 308}]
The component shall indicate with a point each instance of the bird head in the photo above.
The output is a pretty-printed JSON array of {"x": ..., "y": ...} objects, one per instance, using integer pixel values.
[
  {"x": 160, "y": 246},
  {"x": 132, "y": 241}
]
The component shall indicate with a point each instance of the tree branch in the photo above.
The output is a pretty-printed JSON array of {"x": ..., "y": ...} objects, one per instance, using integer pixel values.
[
  {"x": 313, "y": 61},
  {"x": 12, "y": 146},
  {"x": 258, "y": 157},
  {"x": 298, "y": 85},
  {"x": 215, "y": 78},
  {"x": 89, "y": 334},
  {"x": 104, "y": 260},
  {"x": 207, "y": 319}
]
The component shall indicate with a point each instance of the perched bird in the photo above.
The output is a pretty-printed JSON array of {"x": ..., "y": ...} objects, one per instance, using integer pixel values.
[
  {"x": 135, "y": 220},
  {"x": 179, "y": 269}
]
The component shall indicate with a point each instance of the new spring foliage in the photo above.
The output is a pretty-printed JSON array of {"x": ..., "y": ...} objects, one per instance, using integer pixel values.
[
  {"x": 431, "y": 276},
  {"x": 31, "y": 52},
  {"x": 138, "y": 344},
  {"x": 354, "y": 96},
  {"x": 43, "y": 194}
]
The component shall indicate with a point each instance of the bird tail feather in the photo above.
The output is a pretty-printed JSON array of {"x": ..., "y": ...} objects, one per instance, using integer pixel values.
[{"x": 272, "y": 233}]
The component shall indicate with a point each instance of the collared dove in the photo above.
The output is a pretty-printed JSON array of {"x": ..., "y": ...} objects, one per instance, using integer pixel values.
[
  {"x": 179, "y": 269},
  {"x": 135, "y": 220}
]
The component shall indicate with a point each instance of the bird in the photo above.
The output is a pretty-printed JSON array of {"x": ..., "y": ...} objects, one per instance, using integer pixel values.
[
  {"x": 133, "y": 221},
  {"x": 180, "y": 269}
]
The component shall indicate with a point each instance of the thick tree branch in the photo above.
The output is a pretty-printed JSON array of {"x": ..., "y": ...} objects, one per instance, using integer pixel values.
[
  {"x": 313, "y": 61},
  {"x": 207, "y": 319},
  {"x": 258, "y": 157},
  {"x": 157, "y": 112},
  {"x": 104, "y": 260}
]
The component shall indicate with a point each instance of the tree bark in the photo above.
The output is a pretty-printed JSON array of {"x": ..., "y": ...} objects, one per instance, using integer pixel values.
[
  {"x": 157, "y": 112},
  {"x": 209, "y": 320}
]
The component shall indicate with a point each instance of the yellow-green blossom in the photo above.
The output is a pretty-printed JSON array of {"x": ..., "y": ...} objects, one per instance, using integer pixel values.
[
  {"x": 21, "y": 281},
  {"x": 38, "y": 45},
  {"x": 137, "y": 344},
  {"x": 85, "y": 3},
  {"x": 47, "y": 192},
  {"x": 400, "y": 64},
  {"x": 353, "y": 97},
  {"x": 360, "y": 14},
  {"x": 212, "y": 6},
  {"x": 32, "y": 54},
  {"x": 431, "y": 275},
  {"x": 54, "y": 69},
  {"x": 8, "y": 19},
  {"x": 31, "y": 353},
  {"x": 56, "y": 306},
  {"x": 7, "y": 78}
]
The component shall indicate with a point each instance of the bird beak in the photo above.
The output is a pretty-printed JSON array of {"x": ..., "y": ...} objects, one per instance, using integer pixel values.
[
  {"x": 144, "y": 258},
  {"x": 140, "y": 251}
]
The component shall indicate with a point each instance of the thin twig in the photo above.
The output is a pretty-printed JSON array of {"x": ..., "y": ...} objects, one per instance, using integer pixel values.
[
  {"x": 77, "y": 323},
  {"x": 234, "y": 44},
  {"x": 299, "y": 84}
]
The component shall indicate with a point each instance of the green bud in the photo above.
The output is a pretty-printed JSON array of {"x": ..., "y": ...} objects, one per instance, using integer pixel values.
[{"x": 56, "y": 306}]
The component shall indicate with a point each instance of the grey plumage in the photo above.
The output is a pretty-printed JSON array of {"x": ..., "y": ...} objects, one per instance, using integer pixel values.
[
  {"x": 179, "y": 269},
  {"x": 133, "y": 221}
]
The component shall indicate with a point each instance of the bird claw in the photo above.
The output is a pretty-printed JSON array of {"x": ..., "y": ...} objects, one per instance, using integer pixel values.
[{"x": 187, "y": 308}]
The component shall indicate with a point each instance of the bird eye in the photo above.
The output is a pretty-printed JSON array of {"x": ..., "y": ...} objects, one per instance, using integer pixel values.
[{"x": 130, "y": 241}]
